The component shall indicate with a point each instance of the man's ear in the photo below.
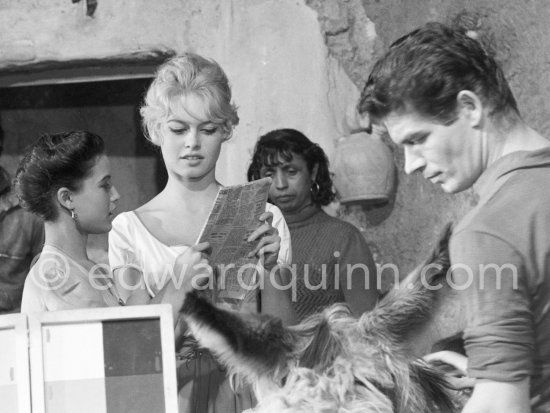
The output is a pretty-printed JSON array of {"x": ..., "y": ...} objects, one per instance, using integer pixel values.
[
  {"x": 65, "y": 198},
  {"x": 314, "y": 171},
  {"x": 470, "y": 105}
]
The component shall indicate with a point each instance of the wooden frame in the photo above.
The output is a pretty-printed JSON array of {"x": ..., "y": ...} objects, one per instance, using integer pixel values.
[
  {"x": 126, "y": 66},
  {"x": 20, "y": 372},
  {"x": 87, "y": 318}
]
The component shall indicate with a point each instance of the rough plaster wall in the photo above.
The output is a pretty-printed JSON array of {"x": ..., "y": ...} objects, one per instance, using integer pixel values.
[
  {"x": 272, "y": 51},
  {"x": 403, "y": 231},
  {"x": 349, "y": 34},
  {"x": 282, "y": 76},
  {"x": 61, "y": 30}
]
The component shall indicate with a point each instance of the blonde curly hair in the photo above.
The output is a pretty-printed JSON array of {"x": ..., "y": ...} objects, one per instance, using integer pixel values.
[{"x": 183, "y": 75}]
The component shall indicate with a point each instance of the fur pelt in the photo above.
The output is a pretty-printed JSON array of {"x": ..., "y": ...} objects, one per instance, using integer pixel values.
[{"x": 331, "y": 362}]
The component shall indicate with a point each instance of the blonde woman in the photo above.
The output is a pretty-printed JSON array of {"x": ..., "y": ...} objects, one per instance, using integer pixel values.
[{"x": 188, "y": 114}]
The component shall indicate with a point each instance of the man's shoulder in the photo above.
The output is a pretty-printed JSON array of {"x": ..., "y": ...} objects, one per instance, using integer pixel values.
[
  {"x": 8, "y": 201},
  {"x": 17, "y": 221},
  {"x": 521, "y": 200},
  {"x": 512, "y": 225}
]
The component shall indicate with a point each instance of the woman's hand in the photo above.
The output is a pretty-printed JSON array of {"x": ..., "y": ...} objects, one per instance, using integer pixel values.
[
  {"x": 192, "y": 269},
  {"x": 267, "y": 249}
]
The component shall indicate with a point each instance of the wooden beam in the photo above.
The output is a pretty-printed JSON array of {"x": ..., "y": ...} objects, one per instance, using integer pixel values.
[{"x": 128, "y": 66}]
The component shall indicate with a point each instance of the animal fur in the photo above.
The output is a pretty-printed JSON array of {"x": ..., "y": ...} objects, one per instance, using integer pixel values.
[{"x": 331, "y": 362}]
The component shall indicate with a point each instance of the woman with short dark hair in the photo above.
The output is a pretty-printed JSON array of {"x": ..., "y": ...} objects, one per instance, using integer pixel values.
[{"x": 65, "y": 179}]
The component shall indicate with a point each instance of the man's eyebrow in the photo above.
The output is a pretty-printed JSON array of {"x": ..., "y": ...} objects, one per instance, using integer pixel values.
[{"x": 415, "y": 136}]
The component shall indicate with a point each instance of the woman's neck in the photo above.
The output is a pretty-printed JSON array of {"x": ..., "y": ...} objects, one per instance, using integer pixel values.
[
  {"x": 64, "y": 235},
  {"x": 301, "y": 214},
  {"x": 190, "y": 193}
]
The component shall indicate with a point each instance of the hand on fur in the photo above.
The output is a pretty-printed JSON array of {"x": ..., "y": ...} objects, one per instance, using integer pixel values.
[
  {"x": 267, "y": 249},
  {"x": 455, "y": 367},
  {"x": 456, "y": 360}
]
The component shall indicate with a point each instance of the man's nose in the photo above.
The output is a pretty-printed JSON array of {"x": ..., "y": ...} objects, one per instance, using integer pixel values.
[{"x": 413, "y": 161}]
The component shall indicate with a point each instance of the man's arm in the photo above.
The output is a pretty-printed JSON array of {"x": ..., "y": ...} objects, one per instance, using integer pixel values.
[
  {"x": 499, "y": 397},
  {"x": 500, "y": 336}
]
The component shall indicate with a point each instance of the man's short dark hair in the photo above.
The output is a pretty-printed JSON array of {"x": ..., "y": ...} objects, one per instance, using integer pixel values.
[{"x": 425, "y": 70}]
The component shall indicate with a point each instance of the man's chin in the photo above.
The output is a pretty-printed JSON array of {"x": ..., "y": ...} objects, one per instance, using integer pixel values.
[{"x": 453, "y": 188}]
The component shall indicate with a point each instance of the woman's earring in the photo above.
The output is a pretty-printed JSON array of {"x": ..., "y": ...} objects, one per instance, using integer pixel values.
[
  {"x": 228, "y": 135},
  {"x": 314, "y": 189},
  {"x": 74, "y": 216}
]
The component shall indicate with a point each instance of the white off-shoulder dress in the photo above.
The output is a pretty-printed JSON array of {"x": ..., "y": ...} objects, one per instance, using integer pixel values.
[{"x": 202, "y": 383}]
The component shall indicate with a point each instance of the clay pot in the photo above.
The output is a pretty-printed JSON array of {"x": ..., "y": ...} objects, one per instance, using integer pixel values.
[{"x": 363, "y": 169}]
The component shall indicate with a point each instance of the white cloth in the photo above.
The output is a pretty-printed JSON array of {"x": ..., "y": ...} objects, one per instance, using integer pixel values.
[
  {"x": 132, "y": 245},
  {"x": 57, "y": 282}
]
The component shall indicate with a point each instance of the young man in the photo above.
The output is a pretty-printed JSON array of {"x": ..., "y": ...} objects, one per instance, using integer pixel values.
[{"x": 446, "y": 101}]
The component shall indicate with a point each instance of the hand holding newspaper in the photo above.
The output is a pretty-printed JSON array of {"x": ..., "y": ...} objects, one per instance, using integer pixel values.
[{"x": 234, "y": 216}]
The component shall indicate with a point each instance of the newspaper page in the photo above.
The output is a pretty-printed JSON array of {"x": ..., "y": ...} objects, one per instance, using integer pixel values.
[{"x": 234, "y": 216}]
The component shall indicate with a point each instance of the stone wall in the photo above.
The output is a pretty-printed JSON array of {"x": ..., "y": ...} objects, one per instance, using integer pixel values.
[{"x": 403, "y": 231}]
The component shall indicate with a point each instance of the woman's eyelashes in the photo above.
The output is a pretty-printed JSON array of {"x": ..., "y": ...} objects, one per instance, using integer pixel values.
[
  {"x": 178, "y": 131},
  {"x": 270, "y": 172},
  {"x": 210, "y": 130}
]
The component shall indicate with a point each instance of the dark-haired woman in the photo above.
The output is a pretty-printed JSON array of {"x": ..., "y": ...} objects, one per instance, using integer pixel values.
[
  {"x": 65, "y": 179},
  {"x": 331, "y": 259}
]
